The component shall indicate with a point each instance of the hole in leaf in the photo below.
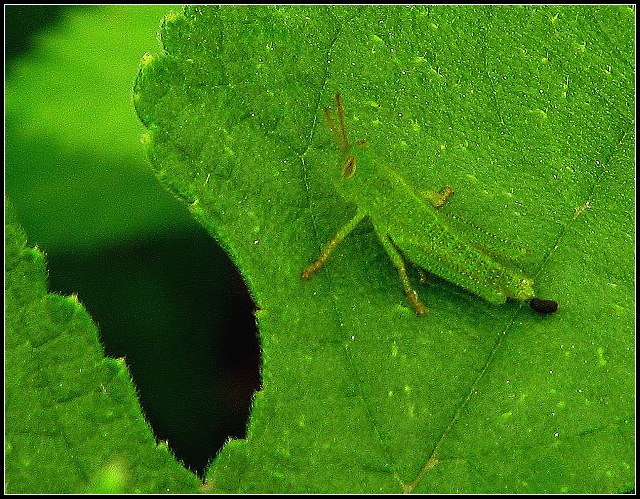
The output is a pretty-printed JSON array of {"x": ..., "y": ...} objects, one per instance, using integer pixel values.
[{"x": 178, "y": 311}]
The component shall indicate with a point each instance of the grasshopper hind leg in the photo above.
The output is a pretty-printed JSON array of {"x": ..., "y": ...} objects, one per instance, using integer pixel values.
[{"x": 398, "y": 262}]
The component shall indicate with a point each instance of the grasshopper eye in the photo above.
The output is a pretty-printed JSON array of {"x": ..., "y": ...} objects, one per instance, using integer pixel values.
[{"x": 349, "y": 167}]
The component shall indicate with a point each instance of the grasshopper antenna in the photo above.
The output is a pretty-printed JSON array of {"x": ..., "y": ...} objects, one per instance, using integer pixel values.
[
  {"x": 339, "y": 132},
  {"x": 343, "y": 127}
]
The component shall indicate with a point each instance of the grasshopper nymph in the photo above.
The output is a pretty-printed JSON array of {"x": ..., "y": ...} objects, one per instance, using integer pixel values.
[{"x": 409, "y": 226}]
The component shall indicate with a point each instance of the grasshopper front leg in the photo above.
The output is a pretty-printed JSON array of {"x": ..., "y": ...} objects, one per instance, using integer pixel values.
[{"x": 331, "y": 245}]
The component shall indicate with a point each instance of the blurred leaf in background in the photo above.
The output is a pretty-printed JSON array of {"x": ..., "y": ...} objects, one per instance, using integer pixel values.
[{"x": 74, "y": 166}]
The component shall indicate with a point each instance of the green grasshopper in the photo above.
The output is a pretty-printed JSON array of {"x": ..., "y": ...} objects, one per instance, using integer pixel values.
[{"x": 410, "y": 227}]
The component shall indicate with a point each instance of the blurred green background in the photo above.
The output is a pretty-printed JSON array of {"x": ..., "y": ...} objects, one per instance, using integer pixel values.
[{"x": 163, "y": 294}]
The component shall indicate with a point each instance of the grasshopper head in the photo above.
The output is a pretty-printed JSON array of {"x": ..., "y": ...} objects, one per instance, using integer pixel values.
[{"x": 347, "y": 155}]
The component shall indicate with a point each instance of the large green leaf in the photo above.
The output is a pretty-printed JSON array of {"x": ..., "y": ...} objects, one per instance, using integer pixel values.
[
  {"x": 73, "y": 422},
  {"x": 528, "y": 114}
]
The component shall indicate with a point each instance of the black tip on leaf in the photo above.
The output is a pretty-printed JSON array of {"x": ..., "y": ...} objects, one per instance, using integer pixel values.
[{"x": 543, "y": 306}]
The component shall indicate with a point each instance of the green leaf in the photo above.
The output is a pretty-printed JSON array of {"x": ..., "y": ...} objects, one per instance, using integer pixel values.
[
  {"x": 527, "y": 113},
  {"x": 72, "y": 420}
]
